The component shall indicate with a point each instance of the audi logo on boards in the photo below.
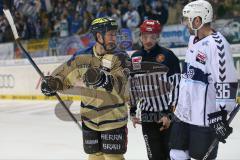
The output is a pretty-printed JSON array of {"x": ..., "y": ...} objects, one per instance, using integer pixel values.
[{"x": 7, "y": 81}]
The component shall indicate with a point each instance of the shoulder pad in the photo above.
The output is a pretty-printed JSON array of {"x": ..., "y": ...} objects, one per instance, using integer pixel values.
[{"x": 88, "y": 50}]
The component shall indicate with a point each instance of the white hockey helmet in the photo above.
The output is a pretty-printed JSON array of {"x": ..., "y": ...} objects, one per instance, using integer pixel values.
[{"x": 198, "y": 8}]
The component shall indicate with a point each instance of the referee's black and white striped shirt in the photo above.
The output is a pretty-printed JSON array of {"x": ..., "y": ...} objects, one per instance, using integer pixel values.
[{"x": 155, "y": 92}]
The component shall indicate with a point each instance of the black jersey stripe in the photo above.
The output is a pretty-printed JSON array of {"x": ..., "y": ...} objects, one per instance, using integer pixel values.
[
  {"x": 159, "y": 83},
  {"x": 146, "y": 90},
  {"x": 164, "y": 96},
  {"x": 155, "y": 91}
]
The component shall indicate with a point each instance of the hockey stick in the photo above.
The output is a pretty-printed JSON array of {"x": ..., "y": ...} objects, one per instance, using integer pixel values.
[
  {"x": 145, "y": 67},
  {"x": 17, "y": 39},
  {"x": 214, "y": 143}
]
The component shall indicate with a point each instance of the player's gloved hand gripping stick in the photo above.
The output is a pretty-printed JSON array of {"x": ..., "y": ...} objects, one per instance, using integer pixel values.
[
  {"x": 222, "y": 129},
  {"x": 47, "y": 78},
  {"x": 218, "y": 122},
  {"x": 50, "y": 85}
]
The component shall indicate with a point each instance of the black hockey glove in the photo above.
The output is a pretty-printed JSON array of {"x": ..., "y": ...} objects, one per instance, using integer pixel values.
[
  {"x": 133, "y": 110},
  {"x": 218, "y": 121},
  {"x": 50, "y": 85},
  {"x": 98, "y": 78}
]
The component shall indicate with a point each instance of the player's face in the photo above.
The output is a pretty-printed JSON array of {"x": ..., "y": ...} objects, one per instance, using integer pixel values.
[
  {"x": 149, "y": 40},
  {"x": 185, "y": 21},
  {"x": 111, "y": 39},
  {"x": 196, "y": 23}
]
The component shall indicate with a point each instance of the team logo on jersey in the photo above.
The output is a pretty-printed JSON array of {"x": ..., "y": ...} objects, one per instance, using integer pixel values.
[
  {"x": 137, "y": 59},
  {"x": 160, "y": 58},
  {"x": 201, "y": 57},
  {"x": 188, "y": 73},
  {"x": 106, "y": 65}
]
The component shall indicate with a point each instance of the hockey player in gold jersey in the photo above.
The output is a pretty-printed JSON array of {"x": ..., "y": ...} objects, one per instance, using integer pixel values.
[{"x": 103, "y": 110}]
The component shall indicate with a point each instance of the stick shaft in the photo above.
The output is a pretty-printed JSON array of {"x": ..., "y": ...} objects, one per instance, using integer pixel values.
[
  {"x": 17, "y": 39},
  {"x": 30, "y": 59},
  {"x": 69, "y": 112},
  {"x": 42, "y": 76}
]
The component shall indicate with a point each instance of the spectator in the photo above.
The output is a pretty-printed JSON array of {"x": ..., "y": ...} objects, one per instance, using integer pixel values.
[
  {"x": 174, "y": 11},
  {"x": 115, "y": 3},
  {"x": 87, "y": 19},
  {"x": 56, "y": 29},
  {"x": 161, "y": 12},
  {"x": 64, "y": 26},
  {"x": 18, "y": 3},
  {"x": 7, "y": 34},
  {"x": 101, "y": 12},
  {"x": 81, "y": 7},
  {"x": 53, "y": 48},
  {"x": 2, "y": 27},
  {"x": 57, "y": 11},
  {"x": 124, "y": 7},
  {"x": 19, "y": 22},
  {"x": 116, "y": 15},
  {"x": 93, "y": 6},
  {"x": 76, "y": 25},
  {"x": 31, "y": 30},
  {"x": 69, "y": 7},
  {"x": 135, "y": 3},
  {"x": 45, "y": 27},
  {"x": 38, "y": 5},
  {"x": 221, "y": 10},
  {"x": 38, "y": 28},
  {"x": 147, "y": 12},
  {"x": 131, "y": 18}
]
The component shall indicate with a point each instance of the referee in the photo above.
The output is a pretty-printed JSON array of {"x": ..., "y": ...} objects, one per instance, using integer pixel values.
[{"x": 155, "y": 94}]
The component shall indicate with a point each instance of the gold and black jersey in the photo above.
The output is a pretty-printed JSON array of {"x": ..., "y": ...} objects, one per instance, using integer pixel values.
[{"x": 100, "y": 110}]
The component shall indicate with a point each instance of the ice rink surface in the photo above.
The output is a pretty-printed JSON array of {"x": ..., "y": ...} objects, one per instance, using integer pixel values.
[{"x": 31, "y": 130}]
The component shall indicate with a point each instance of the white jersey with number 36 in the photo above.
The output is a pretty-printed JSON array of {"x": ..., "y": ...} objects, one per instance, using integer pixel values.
[{"x": 208, "y": 80}]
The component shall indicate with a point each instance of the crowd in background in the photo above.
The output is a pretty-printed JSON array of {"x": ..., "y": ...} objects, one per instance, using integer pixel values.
[{"x": 36, "y": 19}]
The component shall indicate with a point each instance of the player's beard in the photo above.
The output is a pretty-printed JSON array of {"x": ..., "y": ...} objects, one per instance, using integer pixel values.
[{"x": 110, "y": 46}]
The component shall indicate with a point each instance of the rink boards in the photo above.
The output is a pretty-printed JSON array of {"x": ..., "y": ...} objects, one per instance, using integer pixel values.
[{"x": 19, "y": 80}]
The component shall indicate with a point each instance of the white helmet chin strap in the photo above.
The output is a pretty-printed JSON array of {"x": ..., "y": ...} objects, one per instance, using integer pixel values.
[{"x": 195, "y": 29}]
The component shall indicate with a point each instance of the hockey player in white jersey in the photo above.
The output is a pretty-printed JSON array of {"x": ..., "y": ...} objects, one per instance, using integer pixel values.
[{"x": 207, "y": 90}]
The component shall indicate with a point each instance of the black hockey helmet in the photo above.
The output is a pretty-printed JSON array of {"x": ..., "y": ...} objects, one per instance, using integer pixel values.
[{"x": 103, "y": 25}]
